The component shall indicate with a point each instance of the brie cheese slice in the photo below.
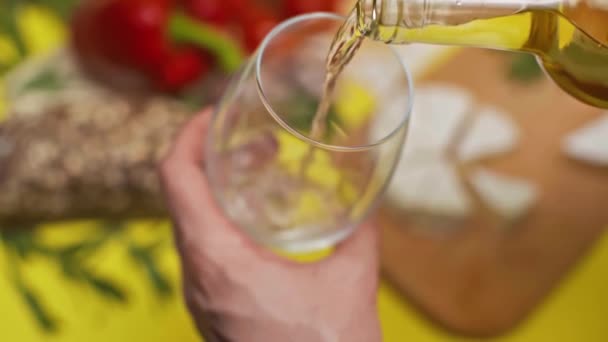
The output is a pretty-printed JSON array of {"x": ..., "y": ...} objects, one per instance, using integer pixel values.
[
  {"x": 509, "y": 197},
  {"x": 431, "y": 187},
  {"x": 438, "y": 112},
  {"x": 590, "y": 143},
  {"x": 491, "y": 134}
]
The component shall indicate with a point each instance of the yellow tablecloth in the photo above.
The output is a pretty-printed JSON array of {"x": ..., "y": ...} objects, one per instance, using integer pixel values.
[{"x": 576, "y": 311}]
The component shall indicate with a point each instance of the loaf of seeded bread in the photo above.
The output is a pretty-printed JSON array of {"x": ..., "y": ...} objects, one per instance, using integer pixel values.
[{"x": 73, "y": 148}]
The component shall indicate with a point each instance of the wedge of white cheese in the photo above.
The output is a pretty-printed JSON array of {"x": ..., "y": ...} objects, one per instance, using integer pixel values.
[
  {"x": 438, "y": 112},
  {"x": 492, "y": 133},
  {"x": 590, "y": 143},
  {"x": 431, "y": 187},
  {"x": 423, "y": 180},
  {"x": 509, "y": 197}
]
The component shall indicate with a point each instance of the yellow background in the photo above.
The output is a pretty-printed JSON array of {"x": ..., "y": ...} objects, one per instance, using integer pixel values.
[{"x": 576, "y": 311}]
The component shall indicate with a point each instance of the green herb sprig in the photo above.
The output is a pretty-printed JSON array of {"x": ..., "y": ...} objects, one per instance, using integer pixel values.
[
  {"x": 73, "y": 262},
  {"x": 9, "y": 14}
]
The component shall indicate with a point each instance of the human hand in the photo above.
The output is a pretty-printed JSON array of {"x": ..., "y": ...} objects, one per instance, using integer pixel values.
[{"x": 237, "y": 290}]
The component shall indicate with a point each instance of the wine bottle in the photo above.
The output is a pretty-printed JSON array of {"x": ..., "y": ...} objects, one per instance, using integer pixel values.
[{"x": 569, "y": 37}]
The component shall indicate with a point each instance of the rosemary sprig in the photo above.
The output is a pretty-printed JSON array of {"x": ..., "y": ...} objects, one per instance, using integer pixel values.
[
  {"x": 103, "y": 286},
  {"x": 146, "y": 258},
  {"x": 72, "y": 262},
  {"x": 8, "y": 24},
  {"x": 42, "y": 316},
  {"x": 9, "y": 27},
  {"x": 23, "y": 243}
]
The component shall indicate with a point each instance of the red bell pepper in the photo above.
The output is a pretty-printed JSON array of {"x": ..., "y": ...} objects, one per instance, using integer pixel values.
[
  {"x": 257, "y": 24},
  {"x": 218, "y": 12},
  {"x": 153, "y": 38},
  {"x": 172, "y": 43},
  {"x": 247, "y": 19},
  {"x": 296, "y": 7}
]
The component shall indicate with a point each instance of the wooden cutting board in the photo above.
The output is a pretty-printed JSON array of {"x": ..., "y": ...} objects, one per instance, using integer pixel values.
[{"x": 483, "y": 277}]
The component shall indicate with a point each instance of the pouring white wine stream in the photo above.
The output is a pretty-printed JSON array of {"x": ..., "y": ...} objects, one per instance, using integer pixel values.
[{"x": 569, "y": 37}]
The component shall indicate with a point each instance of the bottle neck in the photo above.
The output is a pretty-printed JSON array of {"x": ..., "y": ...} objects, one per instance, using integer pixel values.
[
  {"x": 500, "y": 24},
  {"x": 421, "y": 13}
]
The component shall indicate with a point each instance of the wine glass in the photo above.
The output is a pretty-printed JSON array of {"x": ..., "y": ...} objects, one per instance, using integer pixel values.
[{"x": 290, "y": 190}]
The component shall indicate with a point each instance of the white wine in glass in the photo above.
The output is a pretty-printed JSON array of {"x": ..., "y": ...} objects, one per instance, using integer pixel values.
[{"x": 283, "y": 182}]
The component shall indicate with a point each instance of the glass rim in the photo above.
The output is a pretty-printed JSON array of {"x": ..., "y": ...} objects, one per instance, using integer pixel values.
[{"x": 333, "y": 16}]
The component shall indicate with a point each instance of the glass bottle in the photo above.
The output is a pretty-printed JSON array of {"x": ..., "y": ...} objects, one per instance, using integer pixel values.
[{"x": 569, "y": 37}]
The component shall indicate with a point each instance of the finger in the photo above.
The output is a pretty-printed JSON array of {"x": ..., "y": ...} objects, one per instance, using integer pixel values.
[
  {"x": 362, "y": 245},
  {"x": 183, "y": 165},
  {"x": 189, "y": 142},
  {"x": 182, "y": 177},
  {"x": 199, "y": 224}
]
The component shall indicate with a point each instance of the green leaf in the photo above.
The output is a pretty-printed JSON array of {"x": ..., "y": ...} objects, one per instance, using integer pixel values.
[
  {"x": 46, "y": 80},
  {"x": 8, "y": 24},
  {"x": 81, "y": 249},
  {"x": 40, "y": 313},
  {"x": 112, "y": 226},
  {"x": 72, "y": 260},
  {"x": 105, "y": 287},
  {"x": 72, "y": 250},
  {"x": 22, "y": 247},
  {"x": 69, "y": 269},
  {"x": 5, "y": 68},
  {"x": 525, "y": 68},
  {"x": 145, "y": 258},
  {"x": 21, "y": 242}
]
